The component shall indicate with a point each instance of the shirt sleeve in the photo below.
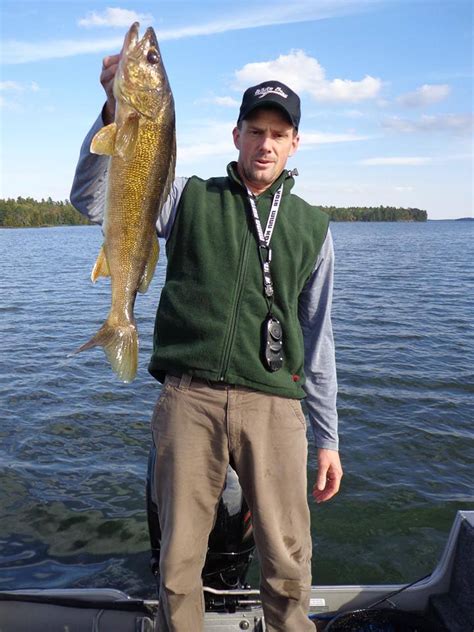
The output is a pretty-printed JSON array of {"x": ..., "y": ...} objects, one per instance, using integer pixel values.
[
  {"x": 314, "y": 311},
  {"x": 89, "y": 187},
  {"x": 90, "y": 179}
]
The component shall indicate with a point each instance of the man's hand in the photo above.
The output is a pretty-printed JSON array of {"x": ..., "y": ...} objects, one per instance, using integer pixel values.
[
  {"x": 109, "y": 68},
  {"x": 329, "y": 475}
]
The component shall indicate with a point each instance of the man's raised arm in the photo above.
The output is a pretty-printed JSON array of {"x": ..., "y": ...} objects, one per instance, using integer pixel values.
[{"x": 90, "y": 179}]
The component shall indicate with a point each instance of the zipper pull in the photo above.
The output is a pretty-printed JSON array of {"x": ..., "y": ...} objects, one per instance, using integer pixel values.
[{"x": 293, "y": 172}]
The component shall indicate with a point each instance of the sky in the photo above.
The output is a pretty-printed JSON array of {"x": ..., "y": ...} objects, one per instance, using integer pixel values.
[{"x": 385, "y": 87}]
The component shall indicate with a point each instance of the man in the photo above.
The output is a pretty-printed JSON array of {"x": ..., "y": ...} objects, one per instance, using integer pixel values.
[{"x": 242, "y": 333}]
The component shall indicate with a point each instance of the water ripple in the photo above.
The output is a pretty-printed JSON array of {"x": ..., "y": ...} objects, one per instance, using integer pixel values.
[{"x": 74, "y": 441}]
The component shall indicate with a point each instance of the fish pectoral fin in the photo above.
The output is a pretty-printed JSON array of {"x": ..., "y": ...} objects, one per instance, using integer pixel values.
[
  {"x": 103, "y": 142},
  {"x": 127, "y": 136},
  {"x": 150, "y": 266},
  {"x": 101, "y": 267}
]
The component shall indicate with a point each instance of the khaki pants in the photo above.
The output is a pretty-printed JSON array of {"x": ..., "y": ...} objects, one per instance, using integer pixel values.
[{"x": 196, "y": 429}]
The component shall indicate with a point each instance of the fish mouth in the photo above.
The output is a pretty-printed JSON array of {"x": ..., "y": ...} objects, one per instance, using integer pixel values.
[
  {"x": 140, "y": 71},
  {"x": 132, "y": 39},
  {"x": 150, "y": 37}
]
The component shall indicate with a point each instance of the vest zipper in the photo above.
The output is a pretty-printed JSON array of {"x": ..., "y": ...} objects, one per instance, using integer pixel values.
[{"x": 229, "y": 342}]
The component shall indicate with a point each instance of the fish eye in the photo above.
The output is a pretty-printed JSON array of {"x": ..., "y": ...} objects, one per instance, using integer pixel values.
[{"x": 152, "y": 56}]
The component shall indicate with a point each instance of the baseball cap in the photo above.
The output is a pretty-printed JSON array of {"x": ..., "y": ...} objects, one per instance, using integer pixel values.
[{"x": 272, "y": 93}]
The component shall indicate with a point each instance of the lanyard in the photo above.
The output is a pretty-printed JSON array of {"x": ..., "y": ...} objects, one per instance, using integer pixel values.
[{"x": 264, "y": 238}]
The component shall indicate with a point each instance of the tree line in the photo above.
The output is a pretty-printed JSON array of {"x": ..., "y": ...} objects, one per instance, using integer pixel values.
[
  {"x": 27, "y": 212},
  {"x": 375, "y": 214}
]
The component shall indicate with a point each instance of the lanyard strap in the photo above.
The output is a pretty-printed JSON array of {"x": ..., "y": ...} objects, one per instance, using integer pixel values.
[{"x": 264, "y": 238}]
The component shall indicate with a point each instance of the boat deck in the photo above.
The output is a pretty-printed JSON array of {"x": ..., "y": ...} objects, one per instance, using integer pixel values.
[{"x": 447, "y": 596}]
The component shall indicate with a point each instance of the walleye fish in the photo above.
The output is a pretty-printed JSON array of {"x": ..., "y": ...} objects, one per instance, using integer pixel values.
[{"x": 141, "y": 143}]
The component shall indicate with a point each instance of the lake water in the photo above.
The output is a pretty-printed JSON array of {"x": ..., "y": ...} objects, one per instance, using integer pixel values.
[{"x": 74, "y": 441}]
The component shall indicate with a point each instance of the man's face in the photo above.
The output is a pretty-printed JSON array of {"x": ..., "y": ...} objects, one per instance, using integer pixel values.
[{"x": 265, "y": 141}]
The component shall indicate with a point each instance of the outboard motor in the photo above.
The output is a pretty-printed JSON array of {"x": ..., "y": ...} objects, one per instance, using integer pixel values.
[{"x": 231, "y": 544}]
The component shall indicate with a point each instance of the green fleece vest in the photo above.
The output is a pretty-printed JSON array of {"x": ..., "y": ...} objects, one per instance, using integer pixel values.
[{"x": 209, "y": 320}]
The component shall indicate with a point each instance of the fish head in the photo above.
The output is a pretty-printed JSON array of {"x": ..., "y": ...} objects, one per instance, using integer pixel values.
[{"x": 141, "y": 81}]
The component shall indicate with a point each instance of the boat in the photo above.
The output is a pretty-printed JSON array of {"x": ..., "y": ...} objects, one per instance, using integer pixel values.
[{"x": 443, "y": 601}]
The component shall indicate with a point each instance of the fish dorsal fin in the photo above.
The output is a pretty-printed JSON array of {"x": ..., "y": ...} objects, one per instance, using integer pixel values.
[
  {"x": 127, "y": 136},
  {"x": 103, "y": 142},
  {"x": 150, "y": 265},
  {"x": 101, "y": 267}
]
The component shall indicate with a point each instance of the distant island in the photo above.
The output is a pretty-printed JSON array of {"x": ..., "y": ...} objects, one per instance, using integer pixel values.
[
  {"x": 29, "y": 213},
  {"x": 465, "y": 219},
  {"x": 374, "y": 214}
]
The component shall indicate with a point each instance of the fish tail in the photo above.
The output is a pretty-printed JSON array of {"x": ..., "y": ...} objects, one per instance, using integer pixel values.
[{"x": 120, "y": 344}]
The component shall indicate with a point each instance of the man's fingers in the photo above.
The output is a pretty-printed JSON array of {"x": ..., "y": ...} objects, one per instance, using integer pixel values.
[
  {"x": 110, "y": 60},
  {"x": 321, "y": 479},
  {"x": 107, "y": 74},
  {"x": 329, "y": 490},
  {"x": 329, "y": 475},
  {"x": 109, "y": 68}
]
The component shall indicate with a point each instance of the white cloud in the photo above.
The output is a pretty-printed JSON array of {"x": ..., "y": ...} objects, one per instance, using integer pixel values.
[
  {"x": 201, "y": 147},
  {"x": 15, "y": 86},
  {"x": 8, "y": 104},
  {"x": 321, "y": 138},
  {"x": 205, "y": 139},
  {"x": 11, "y": 86},
  {"x": 425, "y": 95},
  {"x": 114, "y": 17},
  {"x": 20, "y": 52},
  {"x": 198, "y": 151},
  {"x": 16, "y": 52},
  {"x": 411, "y": 161},
  {"x": 15, "y": 91},
  {"x": 331, "y": 113},
  {"x": 415, "y": 160},
  {"x": 347, "y": 90},
  {"x": 227, "y": 102},
  {"x": 304, "y": 74},
  {"x": 456, "y": 157},
  {"x": 264, "y": 14},
  {"x": 296, "y": 69},
  {"x": 459, "y": 123},
  {"x": 355, "y": 114}
]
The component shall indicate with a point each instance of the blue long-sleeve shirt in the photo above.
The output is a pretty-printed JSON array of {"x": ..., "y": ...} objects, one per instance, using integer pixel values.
[{"x": 314, "y": 310}]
